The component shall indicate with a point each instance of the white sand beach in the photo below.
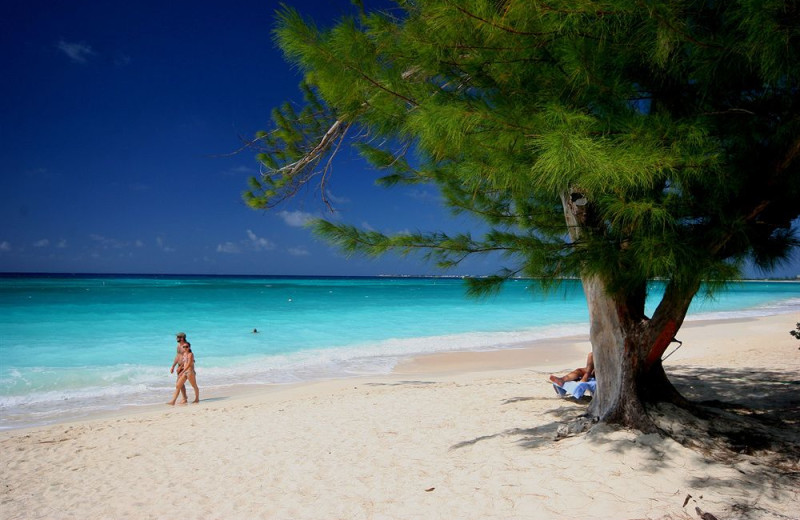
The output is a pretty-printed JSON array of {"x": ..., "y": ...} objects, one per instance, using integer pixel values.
[{"x": 450, "y": 436}]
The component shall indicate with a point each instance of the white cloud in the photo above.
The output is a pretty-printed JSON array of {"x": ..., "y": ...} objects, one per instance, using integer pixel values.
[
  {"x": 240, "y": 170},
  {"x": 109, "y": 243},
  {"x": 77, "y": 52},
  {"x": 258, "y": 243},
  {"x": 113, "y": 243},
  {"x": 229, "y": 248},
  {"x": 121, "y": 60},
  {"x": 253, "y": 242},
  {"x": 5, "y": 246},
  {"x": 425, "y": 195},
  {"x": 41, "y": 243},
  {"x": 336, "y": 200},
  {"x": 298, "y": 251},
  {"x": 62, "y": 244},
  {"x": 162, "y": 244},
  {"x": 296, "y": 218}
]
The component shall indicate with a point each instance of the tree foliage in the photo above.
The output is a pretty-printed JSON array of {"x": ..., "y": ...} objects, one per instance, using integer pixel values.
[
  {"x": 614, "y": 140},
  {"x": 673, "y": 124}
]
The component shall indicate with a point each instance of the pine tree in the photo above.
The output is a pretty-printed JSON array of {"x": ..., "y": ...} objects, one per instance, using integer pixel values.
[{"x": 617, "y": 141}]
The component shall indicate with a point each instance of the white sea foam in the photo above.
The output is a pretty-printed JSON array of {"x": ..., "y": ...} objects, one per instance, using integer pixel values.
[{"x": 787, "y": 306}]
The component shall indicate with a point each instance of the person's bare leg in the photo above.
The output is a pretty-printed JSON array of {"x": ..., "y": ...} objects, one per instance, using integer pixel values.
[
  {"x": 572, "y": 376},
  {"x": 183, "y": 388},
  {"x": 180, "y": 384},
  {"x": 174, "y": 397},
  {"x": 193, "y": 382}
]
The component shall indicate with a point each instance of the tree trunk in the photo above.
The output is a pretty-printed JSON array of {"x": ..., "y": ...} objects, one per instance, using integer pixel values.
[
  {"x": 616, "y": 347},
  {"x": 627, "y": 349},
  {"x": 627, "y": 346}
]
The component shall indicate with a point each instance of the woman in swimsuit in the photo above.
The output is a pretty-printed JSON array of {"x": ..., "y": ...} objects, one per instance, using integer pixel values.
[
  {"x": 178, "y": 362},
  {"x": 188, "y": 373}
]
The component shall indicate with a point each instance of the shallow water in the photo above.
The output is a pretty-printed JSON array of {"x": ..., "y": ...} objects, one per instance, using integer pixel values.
[{"x": 71, "y": 344}]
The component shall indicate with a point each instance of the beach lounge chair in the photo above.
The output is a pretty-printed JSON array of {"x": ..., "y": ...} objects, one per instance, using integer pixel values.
[{"x": 576, "y": 389}]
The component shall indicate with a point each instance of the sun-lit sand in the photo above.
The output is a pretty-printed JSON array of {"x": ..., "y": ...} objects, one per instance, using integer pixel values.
[{"x": 453, "y": 436}]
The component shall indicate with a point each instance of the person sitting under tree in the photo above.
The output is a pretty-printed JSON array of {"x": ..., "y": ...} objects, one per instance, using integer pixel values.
[{"x": 579, "y": 374}]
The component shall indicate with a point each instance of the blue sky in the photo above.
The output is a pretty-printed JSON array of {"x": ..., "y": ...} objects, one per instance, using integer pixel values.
[
  {"x": 118, "y": 119},
  {"x": 118, "y": 122}
]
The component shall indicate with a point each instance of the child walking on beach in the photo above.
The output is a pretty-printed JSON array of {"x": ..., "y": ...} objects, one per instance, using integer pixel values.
[{"x": 186, "y": 372}]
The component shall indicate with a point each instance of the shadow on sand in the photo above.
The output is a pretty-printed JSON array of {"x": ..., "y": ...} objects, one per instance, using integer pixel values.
[
  {"x": 739, "y": 415},
  {"x": 771, "y": 396},
  {"x": 767, "y": 401}
]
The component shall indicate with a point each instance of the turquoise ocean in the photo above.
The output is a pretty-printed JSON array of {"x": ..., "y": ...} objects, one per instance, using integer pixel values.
[{"x": 76, "y": 345}]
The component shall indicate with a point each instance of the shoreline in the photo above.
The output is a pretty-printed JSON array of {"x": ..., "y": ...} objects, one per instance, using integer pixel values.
[
  {"x": 461, "y": 435},
  {"x": 539, "y": 352},
  {"x": 46, "y": 384},
  {"x": 545, "y": 355}
]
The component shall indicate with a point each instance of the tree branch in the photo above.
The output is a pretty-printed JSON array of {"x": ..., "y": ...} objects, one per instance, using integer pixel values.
[
  {"x": 497, "y": 26},
  {"x": 668, "y": 318},
  {"x": 323, "y": 183},
  {"x": 316, "y": 153}
]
